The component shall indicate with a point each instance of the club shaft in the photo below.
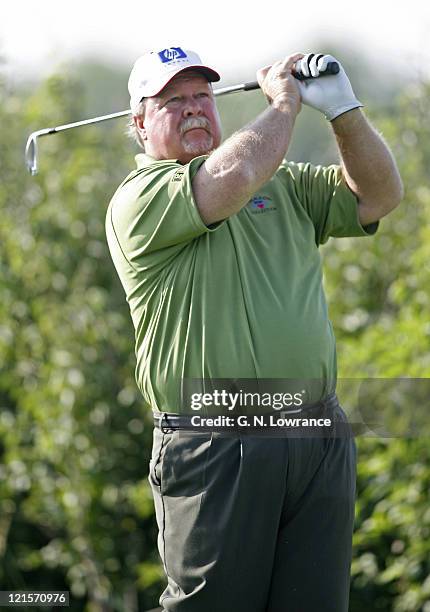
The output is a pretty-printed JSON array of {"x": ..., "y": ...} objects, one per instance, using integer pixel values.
[
  {"x": 31, "y": 146},
  {"x": 68, "y": 126}
]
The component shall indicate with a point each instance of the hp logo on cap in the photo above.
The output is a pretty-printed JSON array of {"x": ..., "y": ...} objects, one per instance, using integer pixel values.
[{"x": 173, "y": 53}]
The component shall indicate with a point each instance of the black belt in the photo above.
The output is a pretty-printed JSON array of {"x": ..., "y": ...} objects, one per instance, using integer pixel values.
[{"x": 168, "y": 421}]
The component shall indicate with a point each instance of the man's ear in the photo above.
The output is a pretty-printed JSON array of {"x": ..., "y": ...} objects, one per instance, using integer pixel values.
[{"x": 139, "y": 123}]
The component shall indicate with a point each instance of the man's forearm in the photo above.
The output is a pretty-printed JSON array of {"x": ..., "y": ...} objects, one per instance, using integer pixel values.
[
  {"x": 244, "y": 162},
  {"x": 369, "y": 167}
]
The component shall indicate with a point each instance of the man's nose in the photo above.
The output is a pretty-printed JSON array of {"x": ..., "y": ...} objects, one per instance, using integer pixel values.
[{"x": 192, "y": 107}]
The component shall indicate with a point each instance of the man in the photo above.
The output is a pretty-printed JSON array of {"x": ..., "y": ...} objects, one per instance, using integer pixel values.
[{"x": 216, "y": 246}]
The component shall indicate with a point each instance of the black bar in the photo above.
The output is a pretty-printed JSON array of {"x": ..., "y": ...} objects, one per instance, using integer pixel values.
[
  {"x": 332, "y": 68},
  {"x": 39, "y": 599},
  {"x": 248, "y": 87}
]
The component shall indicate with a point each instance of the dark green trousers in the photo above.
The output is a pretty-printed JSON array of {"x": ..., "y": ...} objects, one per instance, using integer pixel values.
[{"x": 252, "y": 523}]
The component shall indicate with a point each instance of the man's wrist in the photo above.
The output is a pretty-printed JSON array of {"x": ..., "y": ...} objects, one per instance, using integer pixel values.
[
  {"x": 345, "y": 121},
  {"x": 334, "y": 113},
  {"x": 286, "y": 104}
]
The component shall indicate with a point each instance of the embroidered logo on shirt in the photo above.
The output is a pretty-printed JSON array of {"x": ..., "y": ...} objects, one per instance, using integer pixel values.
[
  {"x": 260, "y": 204},
  {"x": 177, "y": 177}
]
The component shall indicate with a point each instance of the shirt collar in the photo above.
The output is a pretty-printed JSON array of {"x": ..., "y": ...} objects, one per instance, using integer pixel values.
[{"x": 143, "y": 159}]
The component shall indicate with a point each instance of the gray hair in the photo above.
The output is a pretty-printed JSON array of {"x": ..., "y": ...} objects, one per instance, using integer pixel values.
[{"x": 131, "y": 130}]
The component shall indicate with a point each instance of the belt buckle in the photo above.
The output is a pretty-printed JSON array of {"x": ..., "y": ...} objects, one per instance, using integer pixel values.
[
  {"x": 163, "y": 418},
  {"x": 285, "y": 412}
]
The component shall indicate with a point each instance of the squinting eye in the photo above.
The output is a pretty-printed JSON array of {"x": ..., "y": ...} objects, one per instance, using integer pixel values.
[{"x": 173, "y": 100}]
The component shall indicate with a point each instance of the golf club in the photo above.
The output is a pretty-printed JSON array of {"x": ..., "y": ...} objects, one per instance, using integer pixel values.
[{"x": 31, "y": 146}]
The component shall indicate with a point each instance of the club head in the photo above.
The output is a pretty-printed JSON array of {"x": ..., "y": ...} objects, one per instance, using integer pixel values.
[{"x": 31, "y": 154}]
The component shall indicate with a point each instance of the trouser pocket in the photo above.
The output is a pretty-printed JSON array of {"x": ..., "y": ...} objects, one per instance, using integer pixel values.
[
  {"x": 179, "y": 461},
  {"x": 160, "y": 440}
]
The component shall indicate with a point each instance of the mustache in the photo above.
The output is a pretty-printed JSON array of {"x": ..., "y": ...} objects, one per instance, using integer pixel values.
[{"x": 195, "y": 122}]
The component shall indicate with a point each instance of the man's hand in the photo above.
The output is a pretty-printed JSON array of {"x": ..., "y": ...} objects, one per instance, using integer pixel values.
[
  {"x": 332, "y": 94},
  {"x": 278, "y": 83}
]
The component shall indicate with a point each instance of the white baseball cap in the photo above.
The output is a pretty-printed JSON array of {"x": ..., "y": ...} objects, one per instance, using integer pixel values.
[{"x": 153, "y": 70}]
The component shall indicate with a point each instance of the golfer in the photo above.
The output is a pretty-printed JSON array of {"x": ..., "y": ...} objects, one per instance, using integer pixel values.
[{"x": 216, "y": 245}]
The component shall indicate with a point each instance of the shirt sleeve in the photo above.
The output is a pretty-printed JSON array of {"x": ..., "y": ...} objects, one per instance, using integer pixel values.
[
  {"x": 329, "y": 202},
  {"x": 154, "y": 211}
]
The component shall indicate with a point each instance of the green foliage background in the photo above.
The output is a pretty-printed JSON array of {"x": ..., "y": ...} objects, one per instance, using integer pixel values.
[{"x": 75, "y": 506}]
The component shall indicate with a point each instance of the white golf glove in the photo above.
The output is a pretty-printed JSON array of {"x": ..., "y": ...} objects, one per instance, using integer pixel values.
[{"x": 331, "y": 94}]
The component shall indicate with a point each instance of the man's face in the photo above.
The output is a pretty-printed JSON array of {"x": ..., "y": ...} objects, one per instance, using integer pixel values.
[{"x": 182, "y": 121}]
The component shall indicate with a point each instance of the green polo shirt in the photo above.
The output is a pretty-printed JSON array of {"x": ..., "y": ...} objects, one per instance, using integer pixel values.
[{"x": 242, "y": 299}]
